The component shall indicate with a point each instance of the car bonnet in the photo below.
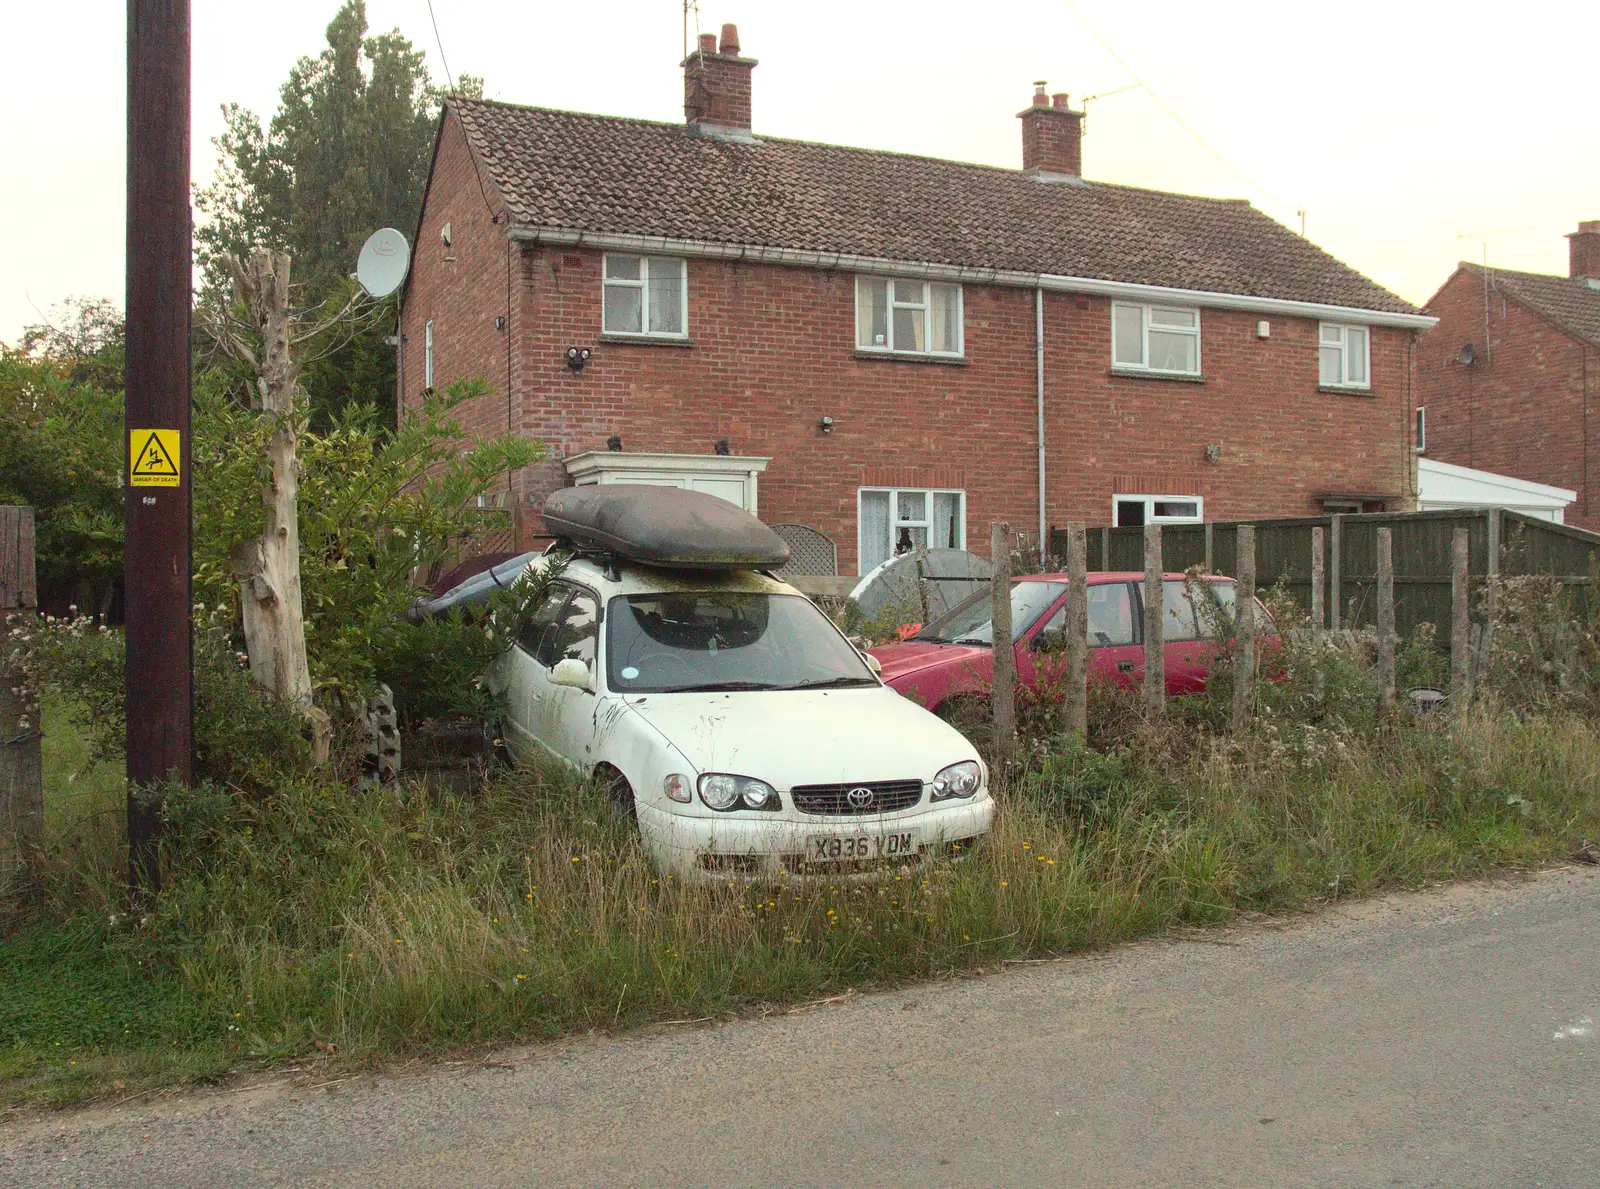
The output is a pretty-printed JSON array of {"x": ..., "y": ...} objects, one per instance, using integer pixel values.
[{"x": 798, "y": 737}]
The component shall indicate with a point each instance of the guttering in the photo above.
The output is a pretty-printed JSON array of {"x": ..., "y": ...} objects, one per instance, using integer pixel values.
[{"x": 845, "y": 261}]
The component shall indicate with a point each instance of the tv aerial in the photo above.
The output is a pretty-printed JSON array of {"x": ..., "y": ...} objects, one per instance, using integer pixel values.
[{"x": 383, "y": 262}]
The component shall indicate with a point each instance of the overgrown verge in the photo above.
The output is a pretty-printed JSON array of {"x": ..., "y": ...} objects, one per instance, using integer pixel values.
[{"x": 314, "y": 923}]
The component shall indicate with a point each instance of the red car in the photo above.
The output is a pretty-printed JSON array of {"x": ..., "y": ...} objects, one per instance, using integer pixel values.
[{"x": 951, "y": 657}]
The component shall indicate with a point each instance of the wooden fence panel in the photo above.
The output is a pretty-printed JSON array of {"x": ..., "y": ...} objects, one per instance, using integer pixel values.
[{"x": 1421, "y": 550}]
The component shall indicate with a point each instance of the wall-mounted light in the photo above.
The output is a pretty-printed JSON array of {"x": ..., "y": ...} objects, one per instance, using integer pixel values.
[
  {"x": 1214, "y": 453},
  {"x": 500, "y": 322},
  {"x": 577, "y": 357},
  {"x": 826, "y": 424},
  {"x": 1263, "y": 329},
  {"x": 614, "y": 443},
  {"x": 445, "y": 235},
  {"x": 721, "y": 446}
]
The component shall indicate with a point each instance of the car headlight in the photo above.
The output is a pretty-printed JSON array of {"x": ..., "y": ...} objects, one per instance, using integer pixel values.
[
  {"x": 724, "y": 791},
  {"x": 958, "y": 780}
]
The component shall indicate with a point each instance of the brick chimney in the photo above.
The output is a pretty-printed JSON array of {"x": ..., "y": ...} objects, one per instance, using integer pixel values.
[
  {"x": 1052, "y": 138},
  {"x": 1584, "y": 249},
  {"x": 716, "y": 88}
]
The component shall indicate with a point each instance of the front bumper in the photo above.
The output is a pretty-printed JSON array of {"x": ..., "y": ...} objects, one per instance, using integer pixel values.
[{"x": 739, "y": 848}]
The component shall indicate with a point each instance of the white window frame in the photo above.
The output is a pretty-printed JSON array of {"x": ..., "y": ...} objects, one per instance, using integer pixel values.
[
  {"x": 1150, "y": 502},
  {"x": 926, "y": 306},
  {"x": 1342, "y": 342},
  {"x": 1145, "y": 311},
  {"x": 643, "y": 285},
  {"x": 427, "y": 353},
  {"x": 1422, "y": 429},
  {"x": 895, "y": 523}
]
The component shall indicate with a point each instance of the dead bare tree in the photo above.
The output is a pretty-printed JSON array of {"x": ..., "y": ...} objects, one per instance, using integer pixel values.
[{"x": 262, "y": 331}]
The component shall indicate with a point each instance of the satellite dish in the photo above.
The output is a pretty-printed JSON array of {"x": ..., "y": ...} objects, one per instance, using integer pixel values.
[
  {"x": 937, "y": 578},
  {"x": 385, "y": 257}
]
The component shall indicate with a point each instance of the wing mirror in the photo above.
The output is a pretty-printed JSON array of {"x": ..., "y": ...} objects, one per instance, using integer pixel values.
[
  {"x": 570, "y": 672},
  {"x": 873, "y": 663}
]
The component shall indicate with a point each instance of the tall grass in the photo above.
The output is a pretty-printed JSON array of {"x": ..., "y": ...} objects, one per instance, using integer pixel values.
[{"x": 356, "y": 926}]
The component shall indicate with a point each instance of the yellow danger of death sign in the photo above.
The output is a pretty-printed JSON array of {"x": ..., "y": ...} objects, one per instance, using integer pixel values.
[{"x": 155, "y": 454}]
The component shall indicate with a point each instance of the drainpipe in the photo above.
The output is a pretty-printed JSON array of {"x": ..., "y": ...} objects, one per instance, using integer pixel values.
[{"x": 1038, "y": 371}]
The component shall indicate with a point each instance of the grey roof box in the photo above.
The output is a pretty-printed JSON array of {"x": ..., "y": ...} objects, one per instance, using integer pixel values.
[{"x": 663, "y": 526}]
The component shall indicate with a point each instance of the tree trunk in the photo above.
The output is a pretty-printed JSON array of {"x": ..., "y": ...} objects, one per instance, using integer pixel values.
[{"x": 268, "y": 567}]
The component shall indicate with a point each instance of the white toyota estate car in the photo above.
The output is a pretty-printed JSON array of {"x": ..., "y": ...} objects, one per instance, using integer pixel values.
[{"x": 721, "y": 706}]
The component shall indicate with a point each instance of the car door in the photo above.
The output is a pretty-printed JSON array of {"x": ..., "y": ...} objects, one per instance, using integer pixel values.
[
  {"x": 521, "y": 677},
  {"x": 570, "y": 713},
  {"x": 1184, "y": 650},
  {"x": 1112, "y": 650}
]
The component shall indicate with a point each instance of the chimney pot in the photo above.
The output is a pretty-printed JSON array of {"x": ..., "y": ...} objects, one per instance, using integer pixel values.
[
  {"x": 1583, "y": 246},
  {"x": 708, "y": 43},
  {"x": 1040, "y": 99},
  {"x": 1059, "y": 99},
  {"x": 730, "y": 39}
]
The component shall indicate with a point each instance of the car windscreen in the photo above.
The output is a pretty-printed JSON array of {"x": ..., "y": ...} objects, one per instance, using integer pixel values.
[
  {"x": 678, "y": 641},
  {"x": 969, "y": 622}
]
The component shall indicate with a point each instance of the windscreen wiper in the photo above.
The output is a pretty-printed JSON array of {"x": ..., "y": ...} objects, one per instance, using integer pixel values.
[
  {"x": 727, "y": 686},
  {"x": 978, "y": 640},
  {"x": 833, "y": 683}
]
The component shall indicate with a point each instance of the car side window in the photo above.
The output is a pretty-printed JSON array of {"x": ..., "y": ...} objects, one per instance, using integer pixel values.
[
  {"x": 1110, "y": 620},
  {"x": 1177, "y": 613},
  {"x": 537, "y": 636},
  {"x": 1214, "y": 606},
  {"x": 577, "y": 630}
]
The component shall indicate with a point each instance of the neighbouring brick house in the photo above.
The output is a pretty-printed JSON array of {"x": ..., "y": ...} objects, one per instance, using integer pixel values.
[
  {"x": 1507, "y": 378},
  {"x": 859, "y": 331}
]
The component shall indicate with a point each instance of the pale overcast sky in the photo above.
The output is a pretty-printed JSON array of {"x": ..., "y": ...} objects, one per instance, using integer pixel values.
[{"x": 1399, "y": 125}]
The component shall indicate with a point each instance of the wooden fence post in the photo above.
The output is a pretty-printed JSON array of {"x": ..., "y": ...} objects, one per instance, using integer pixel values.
[
  {"x": 1317, "y": 579},
  {"x": 1077, "y": 676},
  {"x": 1335, "y": 562},
  {"x": 1105, "y": 549},
  {"x": 21, "y": 763},
  {"x": 1244, "y": 618},
  {"x": 1155, "y": 668},
  {"x": 1386, "y": 639},
  {"x": 1004, "y": 676},
  {"x": 1491, "y": 575},
  {"x": 1460, "y": 620}
]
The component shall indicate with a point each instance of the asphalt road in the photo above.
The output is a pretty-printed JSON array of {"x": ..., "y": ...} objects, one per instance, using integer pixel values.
[{"x": 1443, "y": 1039}]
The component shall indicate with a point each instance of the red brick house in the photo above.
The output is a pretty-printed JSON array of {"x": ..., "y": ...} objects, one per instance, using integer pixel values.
[
  {"x": 1507, "y": 378},
  {"x": 892, "y": 346}
]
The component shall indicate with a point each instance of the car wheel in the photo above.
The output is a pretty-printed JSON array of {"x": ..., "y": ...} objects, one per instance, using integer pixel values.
[
  {"x": 619, "y": 795},
  {"x": 492, "y": 749}
]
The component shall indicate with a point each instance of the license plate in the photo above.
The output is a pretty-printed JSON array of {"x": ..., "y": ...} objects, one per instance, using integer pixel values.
[{"x": 854, "y": 848}]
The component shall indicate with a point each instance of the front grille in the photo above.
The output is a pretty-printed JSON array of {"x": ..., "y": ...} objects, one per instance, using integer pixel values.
[{"x": 888, "y": 796}]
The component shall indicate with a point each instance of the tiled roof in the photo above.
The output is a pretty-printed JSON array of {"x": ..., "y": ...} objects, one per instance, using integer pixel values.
[
  {"x": 605, "y": 174},
  {"x": 1572, "y": 303}
]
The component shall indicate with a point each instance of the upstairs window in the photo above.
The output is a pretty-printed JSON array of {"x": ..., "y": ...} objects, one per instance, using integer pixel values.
[
  {"x": 646, "y": 295},
  {"x": 904, "y": 317},
  {"x": 1155, "y": 339},
  {"x": 1342, "y": 357}
]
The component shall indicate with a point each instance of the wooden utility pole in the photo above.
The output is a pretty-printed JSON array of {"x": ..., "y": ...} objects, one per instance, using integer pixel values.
[
  {"x": 1317, "y": 581},
  {"x": 1386, "y": 640},
  {"x": 156, "y": 507},
  {"x": 1155, "y": 666},
  {"x": 1077, "y": 676},
  {"x": 1004, "y": 678},
  {"x": 1244, "y": 630},
  {"x": 1460, "y": 620},
  {"x": 21, "y": 769}
]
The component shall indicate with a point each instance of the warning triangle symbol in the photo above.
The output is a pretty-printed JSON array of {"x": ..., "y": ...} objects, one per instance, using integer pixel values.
[{"x": 153, "y": 459}]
